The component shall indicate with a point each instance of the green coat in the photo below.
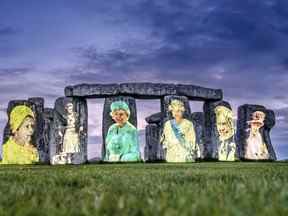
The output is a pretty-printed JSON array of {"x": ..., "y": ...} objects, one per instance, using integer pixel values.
[{"x": 122, "y": 143}]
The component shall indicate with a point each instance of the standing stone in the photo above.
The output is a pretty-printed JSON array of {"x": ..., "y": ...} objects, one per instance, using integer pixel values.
[
  {"x": 37, "y": 106},
  {"x": 198, "y": 121},
  {"x": 212, "y": 136},
  {"x": 48, "y": 117},
  {"x": 155, "y": 118},
  {"x": 68, "y": 141},
  {"x": 107, "y": 119},
  {"x": 152, "y": 134},
  {"x": 153, "y": 148},
  {"x": 167, "y": 115},
  {"x": 247, "y": 113}
]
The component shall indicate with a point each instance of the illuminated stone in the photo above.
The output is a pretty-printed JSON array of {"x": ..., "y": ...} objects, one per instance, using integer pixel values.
[
  {"x": 68, "y": 141},
  {"x": 253, "y": 132}
]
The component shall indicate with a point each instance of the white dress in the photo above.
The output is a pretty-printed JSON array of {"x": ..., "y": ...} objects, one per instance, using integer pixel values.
[
  {"x": 175, "y": 152},
  {"x": 256, "y": 149},
  {"x": 71, "y": 141}
]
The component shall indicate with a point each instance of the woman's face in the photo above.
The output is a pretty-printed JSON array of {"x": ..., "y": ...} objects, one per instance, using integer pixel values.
[
  {"x": 24, "y": 133},
  {"x": 224, "y": 129},
  {"x": 257, "y": 122},
  {"x": 69, "y": 108},
  {"x": 120, "y": 117},
  {"x": 255, "y": 127},
  {"x": 177, "y": 114}
]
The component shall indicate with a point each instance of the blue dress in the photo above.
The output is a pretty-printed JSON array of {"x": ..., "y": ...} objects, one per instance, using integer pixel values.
[{"x": 122, "y": 143}]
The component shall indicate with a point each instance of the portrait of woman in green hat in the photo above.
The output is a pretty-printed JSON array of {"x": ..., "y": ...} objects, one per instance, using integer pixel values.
[{"x": 122, "y": 137}]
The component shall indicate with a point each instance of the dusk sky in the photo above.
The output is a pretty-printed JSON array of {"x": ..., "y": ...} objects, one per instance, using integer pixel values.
[{"x": 240, "y": 46}]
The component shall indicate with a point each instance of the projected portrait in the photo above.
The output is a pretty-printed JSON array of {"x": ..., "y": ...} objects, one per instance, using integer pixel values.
[
  {"x": 225, "y": 130},
  {"x": 19, "y": 148},
  {"x": 178, "y": 137},
  {"x": 70, "y": 136},
  {"x": 71, "y": 141},
  {"x": 122, "y": 137},
  {"x": 256, "y": 148}
]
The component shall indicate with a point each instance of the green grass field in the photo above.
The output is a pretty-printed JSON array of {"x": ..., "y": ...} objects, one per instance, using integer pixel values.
[{"x": 145, "y": 189}]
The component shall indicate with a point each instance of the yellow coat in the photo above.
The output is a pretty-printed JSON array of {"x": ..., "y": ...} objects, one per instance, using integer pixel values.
[{"x": 12, "y": 153}]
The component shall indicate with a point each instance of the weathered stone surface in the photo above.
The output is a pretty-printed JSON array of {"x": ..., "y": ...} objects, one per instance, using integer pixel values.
[
  {"x": 244, "y": 115},
  {"x": 58, "y": 155},
  {"x": 38, "y": 103},
  {"x": 37, "y": 106},
  {"x": 48, "y": 117},
  {"x": 212, "y": 140},
  {"x": 199, "y": 93},
  {"x": 154, "y": 118},
  {"x": 152, "y": 146},
  {"x": 108, "y": 121},
  {"x": 143, "y": 91},
  {"x": 147, "y": 90},
  {"x": 198, "y": 121},
  {"x": 92, "y": 90},
  {"x": 153, "y": 150}
]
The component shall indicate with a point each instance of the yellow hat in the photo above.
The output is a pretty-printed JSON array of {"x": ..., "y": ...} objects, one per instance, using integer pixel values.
[{"x": 17, "y": 116}]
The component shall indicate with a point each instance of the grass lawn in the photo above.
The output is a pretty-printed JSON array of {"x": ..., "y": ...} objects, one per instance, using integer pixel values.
[{"x": 145, "y": 189}]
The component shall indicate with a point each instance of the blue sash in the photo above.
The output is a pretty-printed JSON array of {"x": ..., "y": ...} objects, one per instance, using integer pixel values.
[
  {"x": 180, "y": 137},
  {"x": 177, "y": 132}
]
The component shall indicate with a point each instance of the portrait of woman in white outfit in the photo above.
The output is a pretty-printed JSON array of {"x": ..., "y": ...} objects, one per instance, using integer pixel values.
[
  {"x": 71, "y": 140},
  {"x": 256, "y": 148}
]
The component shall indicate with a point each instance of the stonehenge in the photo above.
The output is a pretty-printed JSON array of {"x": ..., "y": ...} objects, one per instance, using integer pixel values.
[{"x": 61, "y": 133}]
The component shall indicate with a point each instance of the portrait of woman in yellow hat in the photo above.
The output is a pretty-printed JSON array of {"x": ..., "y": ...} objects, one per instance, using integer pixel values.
[{"x": 18, "y": 149}]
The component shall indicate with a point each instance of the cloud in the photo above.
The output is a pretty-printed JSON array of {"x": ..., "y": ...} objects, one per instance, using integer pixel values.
[
  {"x": 8, "y": 31},
  {"x": 212, "y": 44},
  {"x": 239, "y": 46},
  {"x": 12, "y": 72}
]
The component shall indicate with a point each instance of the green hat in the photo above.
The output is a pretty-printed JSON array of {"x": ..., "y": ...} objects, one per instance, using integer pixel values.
[{"x": 117, "y": 105}]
